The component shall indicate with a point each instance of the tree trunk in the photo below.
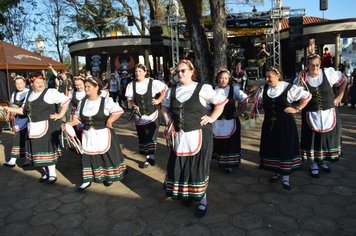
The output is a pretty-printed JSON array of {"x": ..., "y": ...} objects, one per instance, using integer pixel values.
[
  {"x": 200, "y": 44},
  {"x": 217, "y": 9}
]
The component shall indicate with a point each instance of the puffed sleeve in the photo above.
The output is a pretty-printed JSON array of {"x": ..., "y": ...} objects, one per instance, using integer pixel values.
[
  {"x": 54, "y": 97},
  {"x": 239, "y": 95},
  {"x": 334, "y": 77},
  {"x": 211, "y": 96},
  {"x": 158, "y": 87},
  {"x": 129, "y": 92},
  {"x": 167, "y": 99},
  {"x": 112, "y": 107},
  {"x": 297, "y": 93}
]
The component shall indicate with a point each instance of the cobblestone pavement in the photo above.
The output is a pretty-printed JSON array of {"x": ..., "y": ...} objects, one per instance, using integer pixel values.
[{"x": 241, "y": 203}]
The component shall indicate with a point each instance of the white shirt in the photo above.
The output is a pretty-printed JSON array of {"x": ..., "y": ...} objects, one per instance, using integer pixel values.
[
  {"x": 294, "y": 94},
  {"x": 238, "y": 94},
  {"x": 91, "y": 107},
  {"x": 79, "y": 95},
  {"x": 207, "y": 95},
  {"x": 141, "y": 88},
  {"x": 19, "y": 96},
  {"x": 51, "y": 97}
]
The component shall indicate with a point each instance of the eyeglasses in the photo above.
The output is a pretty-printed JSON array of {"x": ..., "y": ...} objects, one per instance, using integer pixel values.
[
  {"x": 314, "y": 65},
  {"x": 182, "y": 70}
]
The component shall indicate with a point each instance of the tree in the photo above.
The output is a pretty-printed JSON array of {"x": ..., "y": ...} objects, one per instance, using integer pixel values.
[
  {"x": 16, "y": 23},
  {"x": 218, "y": 13},
  {"x": 200, "y": 44}
]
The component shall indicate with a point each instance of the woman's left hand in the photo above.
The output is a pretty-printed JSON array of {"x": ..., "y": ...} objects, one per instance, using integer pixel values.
[
  {"x": 55, "y": 116},
  {"x": 155, "y": 102},
  {"x": 291, "y": 110},
  {"x": 109, "y": 124},
  {"x": 206, "y": 120},
  {"x": 337, "y": 101}
]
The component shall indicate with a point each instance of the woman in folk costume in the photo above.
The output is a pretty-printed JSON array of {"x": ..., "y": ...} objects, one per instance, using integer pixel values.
[
  {"x": 145, "y": 94},
  {"x": 279, "y": 148},
  {"x": 321, "y": 125},
  {"x": 42, "y": 145},
  {"x": 20, "y": 123},
  {"x": 227, "y": 128},
  {"x": 76, "y": 95},
  {"x": 102, "y": 159},
  {"x": 186, "y": 108}
]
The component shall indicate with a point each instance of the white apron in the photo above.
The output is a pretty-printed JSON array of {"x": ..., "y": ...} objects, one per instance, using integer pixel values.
[{"x": 96, "y": 141}]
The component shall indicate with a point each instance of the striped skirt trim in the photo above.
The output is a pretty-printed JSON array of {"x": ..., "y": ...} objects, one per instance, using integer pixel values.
[
  {"x": 195, "y": 190},
  {"x": 44, "y": 158},
  {"x": 321, "y": 155},
  {"x": 280, "y": 166},
  {"x": 147, "y": 148},
  {"x": 17, "y": 151},
  {"x": 101, "y": 174},
  {"x": 231, "y": 160}
]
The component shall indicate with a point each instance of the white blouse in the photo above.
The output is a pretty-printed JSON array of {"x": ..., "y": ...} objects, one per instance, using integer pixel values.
[
  {"x": 207, "y": 95},
  {"x": 141, "y": 88},
  {"x": 19, "y": 96},
  {"x": 238, "y": 95},
  {"x": 294, "y": 94},
  {"x": 51, "y": 97},
  {"x": 91, "y": 107},
  {"x": 334, "y": 77},
  {"x": 79, "y": 95}
]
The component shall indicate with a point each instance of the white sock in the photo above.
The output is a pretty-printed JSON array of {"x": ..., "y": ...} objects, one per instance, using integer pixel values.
[
  {"x": 12, "y": 161},
  {"x": 203, "y": 202},
  {"x": 314, "y": 167},
  {"x": 84, "y": 185},
  {"x": 52, "y": 171},
  {"x": 285, "y": 179},
  {"x": 150, "y": 156}
]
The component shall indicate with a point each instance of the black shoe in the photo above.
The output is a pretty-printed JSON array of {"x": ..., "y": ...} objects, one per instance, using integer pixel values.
[
  {"x": 151, "y": 161},
  {"x": 274, "y": 178},
  {"x": 325, "y": 168},
  {"x": 200, "y": 212},
  {"x": 9, "y": 165},
  {"x": 145, "y": 165},
  {"x": 315, "y": 174},
  {"x": 43, "y": 179},
  {"x": 51, "y": 180},
  {"x": 107, "y": 183},
  {"x": 79, "y": 189},
  {"x": 286, "y": 185}
]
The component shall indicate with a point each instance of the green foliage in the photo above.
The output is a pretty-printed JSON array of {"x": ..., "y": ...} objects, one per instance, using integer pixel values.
[{"x": 99, "y": 17}]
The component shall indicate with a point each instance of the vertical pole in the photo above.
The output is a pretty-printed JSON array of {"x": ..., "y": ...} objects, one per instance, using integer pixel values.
[{"x": 337, "y": 52}]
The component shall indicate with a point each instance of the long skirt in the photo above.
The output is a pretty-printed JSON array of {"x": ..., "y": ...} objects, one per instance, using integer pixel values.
[
  {"x": 320, "y": 146},
  {"x": 279, "y": 148},
  {"x": 188, "y": 176},
  {"x": 228, "y": 150},
  {"x": 147, "y": 138},
  {"x": 18, "y": 150},
  {"x": 109, "y": 166},
  {"x": 45, "y": 151}
]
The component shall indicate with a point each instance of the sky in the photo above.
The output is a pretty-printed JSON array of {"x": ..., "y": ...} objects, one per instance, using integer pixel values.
[{"x": 337, "y": 9}]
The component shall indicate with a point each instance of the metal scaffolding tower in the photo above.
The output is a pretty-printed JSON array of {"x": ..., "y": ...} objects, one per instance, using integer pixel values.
[
  {"x": 173, "y": 22},
  {"x": 276, "y": 15}
]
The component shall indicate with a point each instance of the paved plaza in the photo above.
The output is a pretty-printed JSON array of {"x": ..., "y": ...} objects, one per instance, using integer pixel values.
[{"x": 240, "y": 203}]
